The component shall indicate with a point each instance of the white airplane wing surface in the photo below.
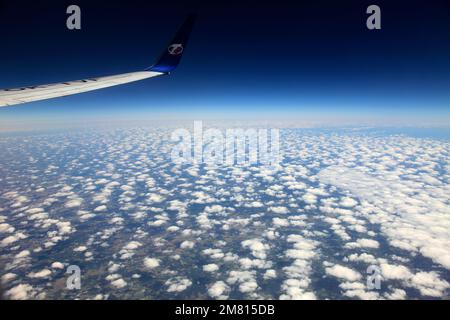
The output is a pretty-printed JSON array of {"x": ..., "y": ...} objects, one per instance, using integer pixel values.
[
  {"x": 167, "y": 62},
  {"x": 10, "y": 97}
]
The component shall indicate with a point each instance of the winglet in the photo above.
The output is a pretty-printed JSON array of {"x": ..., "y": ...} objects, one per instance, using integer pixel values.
[{"x": 171, "y": 56}]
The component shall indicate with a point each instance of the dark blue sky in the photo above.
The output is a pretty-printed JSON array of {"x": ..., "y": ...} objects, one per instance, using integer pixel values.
[{"x": 294, "y": 58}]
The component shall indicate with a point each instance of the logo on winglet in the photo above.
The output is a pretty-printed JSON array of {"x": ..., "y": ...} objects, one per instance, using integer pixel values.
[{"x": 175, "y": 49}]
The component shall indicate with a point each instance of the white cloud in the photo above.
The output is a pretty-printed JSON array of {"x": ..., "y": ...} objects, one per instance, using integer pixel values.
[
  {"x": 178, "y": 284},
  {"x": 429, "y": 284},
  {"x": 6, "y": 228},
  {"x": 296, "y": 286},
  {"x": 119, "y": 283},
  {"x": 363, "y": 243},
  {"x": 57, "y": 265},
  {"x": 20, "y": 292},
  {"x": 280, "y": 222},
  {"x": 248, "y": 286},
  {"x": 12, "y": 239},
  {"x": 373, "y": 200},
  {"x": 295, "y": 289},
  {"x": 363, "y": 257},
  {"x": 300, "y": 254},
  {"x": 187, "y": 244},
  {"x": 100, "y": 208},
  {"x": 219, "y": 290},
  {"x": 173, "y": 229},
  {"x": 73, "y": 203},
  {"x": 212, "y": 267},
  {"x": 80, "y": 249},
  {"x": 270, "y": 274},
  {"x": 348, "y": 202},
  {"x": 343, "y": 272},
  {"x": 280, "y": 210},
  {"x": 151, "y": 263},
  {"x": 310, "y": 198},
  {"x": 257, "y": 247},
  {"x": 411, "y": 214},
  {"x": 214, "y": 253},
  {"x": 22, "y": 254},
  {"x": 396, "y": 294},
  {"x": 7, "y": 277},
  {"x": 155, "y": 198},
  {"x": 256, "y": 204},
  {"x": 157, "y": 223},
  {"x": 44, "y": 273},
  {"x": 395, "y": 272},
  {"x": 132, "y": 245}
]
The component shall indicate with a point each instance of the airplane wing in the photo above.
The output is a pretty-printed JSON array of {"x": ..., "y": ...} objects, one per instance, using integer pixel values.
[{"x": 166, "y": 63}]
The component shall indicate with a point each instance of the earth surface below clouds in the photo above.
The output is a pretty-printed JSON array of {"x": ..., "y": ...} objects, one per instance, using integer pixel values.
[{"x": 342, "y": 206}]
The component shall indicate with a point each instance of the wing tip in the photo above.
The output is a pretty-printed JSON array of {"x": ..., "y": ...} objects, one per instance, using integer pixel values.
[{"x": 172, "y": 54}]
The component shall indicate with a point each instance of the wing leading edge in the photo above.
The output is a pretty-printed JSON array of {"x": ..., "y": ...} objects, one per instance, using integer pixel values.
[{"x": 167, "y": 62}]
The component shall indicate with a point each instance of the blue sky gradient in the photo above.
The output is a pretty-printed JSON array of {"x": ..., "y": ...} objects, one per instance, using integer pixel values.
[{"x": 287, "y": 59}]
